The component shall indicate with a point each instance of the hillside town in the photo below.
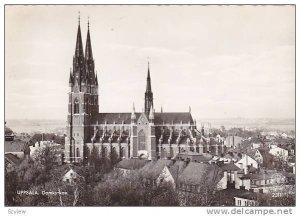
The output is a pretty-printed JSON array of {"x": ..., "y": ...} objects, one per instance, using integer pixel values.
[{"x": 247, "y": 168}]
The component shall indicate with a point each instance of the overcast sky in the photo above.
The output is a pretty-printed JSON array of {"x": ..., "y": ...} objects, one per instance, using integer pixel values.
[{"x": 223, "y": 61}]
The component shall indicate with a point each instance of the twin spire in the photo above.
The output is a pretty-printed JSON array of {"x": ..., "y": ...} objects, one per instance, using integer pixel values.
[
  {"x": 88, "y": 47},
  {"x": 79, "y": 47},
  {"x": 83, "y": 63}
]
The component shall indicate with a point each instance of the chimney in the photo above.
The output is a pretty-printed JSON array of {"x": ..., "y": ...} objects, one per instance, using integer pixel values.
[
  {"x": 246, "y": 170},
  {"x": 236, "y": 179},
  {"x": 226, "y": 178}
]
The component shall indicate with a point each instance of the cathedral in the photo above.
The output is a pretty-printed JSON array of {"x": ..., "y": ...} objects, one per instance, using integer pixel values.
[{"x": 148, "y": 134}]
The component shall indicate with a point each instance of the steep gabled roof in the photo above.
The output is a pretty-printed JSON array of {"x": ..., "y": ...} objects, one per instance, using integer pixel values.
[
  {"x": 229, "y": 167},
  {"x": 13, "y": 159},
  {"x": 73, "y": 172},
  {"x": 14, "y": 146},
  {"x": 232, "y": 156},
  {"x": 131, "y": 164},
  {"x": 159, "y": 118},
  {"x": 8, "y": 131},
  {"x": 176, "y": 169},
  {"x": 117, "y": 118},
  {"x": 265, "y": 154},
  {"x": 226, "y": 196},
  {"x": 200, "y": 174},
  {"x": 173, "y": 118},
  {"x": 153, "y": 169},
  {"x": 204, "y": 157}
]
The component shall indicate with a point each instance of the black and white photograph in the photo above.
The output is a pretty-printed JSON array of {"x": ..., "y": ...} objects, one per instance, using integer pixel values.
[{"x": 150, "y": 105}]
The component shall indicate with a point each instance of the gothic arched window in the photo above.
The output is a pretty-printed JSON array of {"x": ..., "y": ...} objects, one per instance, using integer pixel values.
[
  {"x": 163, "y": 153},
  {"x": 76, "y": 106},
  {"x": 86, "y": 105},
  {"x": 104, "y": 152},
  {"x": 142, "y": 141},
  {"x": 122, "y": 152}
]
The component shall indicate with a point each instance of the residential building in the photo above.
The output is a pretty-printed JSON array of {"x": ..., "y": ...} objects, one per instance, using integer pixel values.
[
  {"x": 72, "y": 177},
  {"x": 256, "y": 145},
  {"x": 199, "y": 177},
  {"x": 194, "y": 157},
  {"x": 280, "y": 153},
  {"x": 246, "y": 199},
  {"x": 233, "y": 141},
  {"x": 151, "y": 172},
  {"x": 9, "y": 134},
  {"x": 11, "y": 162},
  {"x": 263, "y": 157},
  {"x": 17, "y": 147},
  {"x": 127, "y": 166},
  {"x": 246, "y": 162}
]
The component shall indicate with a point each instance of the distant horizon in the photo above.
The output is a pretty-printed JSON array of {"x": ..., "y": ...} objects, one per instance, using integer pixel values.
[
  {"x": 221, "y": 118},
  {"x": 223, "y": 61},
  {"x": 51, "y": 125}
]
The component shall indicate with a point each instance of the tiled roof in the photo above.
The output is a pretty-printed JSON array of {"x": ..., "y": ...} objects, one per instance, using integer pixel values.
[
  {"x": 12, "y": 159},
  {"x": 200, "y": 173},
  {"x": 131, "y": 164},
  {"x": 72, "y": 173},
  {"x": 251, "y": 152},
  {"x": 229, "y": 167},
  {"x": 8, "y": 131},
  {"x": 288, "y": 174},
  {"x": 255, "y": 140},
  {"x": 204, "y": 157},
  {"x": 173, "y": 118},
  {"x": 226, "y": 196},
  {"x": 117, "y": 118},
  {"x": 159, "y": 118},
  {"x": 258, "y": 176},
  {"x": 252, "y": 169},
  {"x": 232, "y": 155},
  {"x": 177, "y": 169},
  {"x": 265, "y": 154},
  {"x": 247, "y": 195},
  {"x": 153, "y": 169},
  {"x": 14, "y": 146}
]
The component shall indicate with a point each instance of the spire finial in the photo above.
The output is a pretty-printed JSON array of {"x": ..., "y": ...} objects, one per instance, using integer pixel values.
[
  {"x": 133, "y": 116},
  {"x": 148, "y": 76},
  {"x": 148, "y": 65},
  {"x": 88, "y": 22},
  {"x": 151, "y": 114},
  {"x": 78, "y": 17}
]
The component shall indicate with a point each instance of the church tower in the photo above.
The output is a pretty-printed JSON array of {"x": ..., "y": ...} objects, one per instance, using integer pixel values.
[
  {"x": 83, "y": 99},
  {"x": 148, "y": 94}
]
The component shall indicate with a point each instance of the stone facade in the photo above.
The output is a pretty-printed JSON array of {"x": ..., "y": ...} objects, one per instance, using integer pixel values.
[{"x": 148, "y": 134}]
